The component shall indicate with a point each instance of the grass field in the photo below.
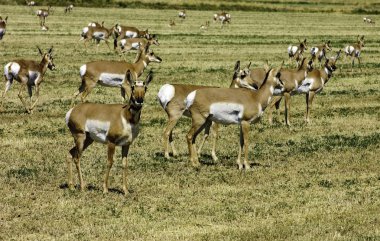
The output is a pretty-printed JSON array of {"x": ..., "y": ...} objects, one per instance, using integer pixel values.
[{"x": 309, "y": 182}]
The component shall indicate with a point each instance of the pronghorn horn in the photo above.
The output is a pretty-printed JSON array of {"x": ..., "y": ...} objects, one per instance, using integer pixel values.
[
  {"x": 304, "y": 41},
  {"x": 249, "y": 65},
  {"x": 237, "y": 66},
  {"x": 362, "y": 38},
  {"x": 50, "y": 50},
  {"x": 40, "y": 51}
]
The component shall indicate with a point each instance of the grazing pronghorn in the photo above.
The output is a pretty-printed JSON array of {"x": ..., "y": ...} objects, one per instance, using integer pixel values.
[
  {"x": 171, "y": 23},
  {"x": 319, "y": 52},
  {"x": 182, "y": 14},
  {"x": 44, "y": 27},
  {"x": 97, "y": 34},
  {"x": 315, "y": 81},
  {"x": 90, "y": 25},
  {"x": 292, "y": 78},
  {"x": 69, "y": 8},
  {"x": 368, "y": 20},
  {"x": 172, "y": 97},
  {"x": 354, "y": 51},
  {"x": 111, "y": 73},
  {"x": 29, "y": 74},
  {"x": 296, "y": 52},
  {"x": 3, "y": 26},
  {"x": 43, "y": 14},
  {"x": 137, "y": 43},
  {"x": 111, "y": 124},
  {"x": 205, "y": 26},
  {"x": 229, "y": 106},
  {"x": 30, "y": 3},
  {"x": 223, "y": 17},
  {"x": 121, "y": 32}
]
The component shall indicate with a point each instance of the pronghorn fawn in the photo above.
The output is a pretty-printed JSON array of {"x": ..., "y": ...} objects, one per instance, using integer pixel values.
[
  {"x": 182, "y": 14},
  {"x": 111, "y": 124},
  {"x": 319, "y": 52},
  {"x": 29, "y": 74},
  {"x": 229, "y": 106},
  {"x": 296, "y": 52},
  {"x": 3, "y": 26},
  {"x": 96, "y": 33},
  {"x": 137, "y": 43},
  {"x": 111, "y": 73},
  {"x": 223, "y": 17},
  {"x": 43, "y": 14},
  {"x": 69, "y": 8},
  {"x": 315, "y": 82},
  {"x": 122, "y": 32},
  {"x": 172, "y": 97},
  {"x": 354, "y": 51},
  {"x": 291, "y": 78}
]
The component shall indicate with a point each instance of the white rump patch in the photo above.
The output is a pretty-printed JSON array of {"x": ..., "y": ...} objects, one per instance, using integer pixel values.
[
  {"x": 84, "y": 30},
  {"x": 110, "y": 79},
  {"x": 226, "y": 113},
  {"x": 305, "y": 86},
  {"x": 165, "y": 94},
  {"x": 136, "y": 45},
  {"x": 349, "y": 49},
  {"x": 98, "y": 130},
  {"x": 130, "y": 34},
  {"x": 292, "y": 50},
  {"x": 123, "y": 42},
  {"x": 14, "y": 70},
  {"x": 68, "y": 114},
  {"x": 190, "y": 99},
  {"x": 314, "y": 50},
  {"x": 82, "y": 70}
]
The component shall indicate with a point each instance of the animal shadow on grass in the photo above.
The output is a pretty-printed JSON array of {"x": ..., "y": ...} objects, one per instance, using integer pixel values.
[{"x": 92, "y": 187}]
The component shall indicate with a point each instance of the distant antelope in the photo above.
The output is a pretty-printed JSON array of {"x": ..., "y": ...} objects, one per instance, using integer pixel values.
[
  {"x": 137, "y": 43},
  {"x": 30, "y": 3},
  {"x": 229, "y": 106},
  {"x": 171, "y": 23},
  {"x": 296, "y": 52},
  {"x": 315, "y": 82},
  {"x": 205, "y": 26},
  {"x": 223, "y": 17},
  {"x": 29, "y": 74},
  {"x": 182, "y": 14},
  {"x": 111, "y": 124},
  {"x": 43, "y": 14},
  {"x": 111, "y": 73},
  {"x": 97, "y": 34},
  {"x": 3, "y": 26},
  {"x": 368, "y": 20},
  {"x": 354, "y": 50},
  {"x": 172, "y": 96},
  {"x": 121, "y": 32},
  {"x": 320, "y": 51},
  {"x": 292, "y": 79},
  {"x": 69, "y": 8}
]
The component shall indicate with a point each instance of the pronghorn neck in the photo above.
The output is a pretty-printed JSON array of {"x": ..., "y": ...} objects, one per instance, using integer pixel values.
[
  {"x": 43, "y": 65},
  {"x": 141, "y": 64},
  {"x": 266, "y": 90}
]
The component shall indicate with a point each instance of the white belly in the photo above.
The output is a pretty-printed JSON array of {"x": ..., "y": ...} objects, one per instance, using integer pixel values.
[
  {"x": 112, "y": 80},
  {"x": 305, "y": 86},
  {"x": 130, "y": 34},
  {"x": 314, "y": 51},
  {"x": 136, "y": 45},
  {"x": 226, "y": 113},
  {"x": 99, "y": 35},
  {"x": 33, "y": 76},
  {"x": 292, "y": 50},
  {"x": 98, "y": 130}
]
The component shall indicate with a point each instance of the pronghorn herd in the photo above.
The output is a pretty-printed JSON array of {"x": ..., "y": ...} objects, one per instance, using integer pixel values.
[{"x": 251, "y": 91}]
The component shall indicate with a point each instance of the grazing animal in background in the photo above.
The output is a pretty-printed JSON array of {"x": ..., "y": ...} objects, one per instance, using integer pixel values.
[
  {"x": 44, "y": 27},
  {"x": 229, "y": 106},
  {"x": 122, "y": 32},
  {"x": 111, "y": 124},
  {"x": 223, "y": 17},
  {"x": 69, "y": 8},
  {"x": 315, "y": 81},
  {"x": 354, "y": 51},
  {"x": 319, "y": 52},
  {"x": 90, "y": 25},
  {"x": 137, "y": 43},
  {"x": 97, "y": 34},
  {"x": 368, "y": 20},
  {"x": 171, "y": 23},
  {"x": 292, "y": 79},
  {"x": 182, "y": 14},
  {"x": 43, "y": 14},
  {"x": 30, "y": 3},
  {"x": 205, "y": 26},
  {"x": 296, "y": 52},
  {"x": 3, "y": 26},
  {"x": 172, "y": 96},
  {"x": 29, "y": 74},
  {"x": 111, "y": 73}
]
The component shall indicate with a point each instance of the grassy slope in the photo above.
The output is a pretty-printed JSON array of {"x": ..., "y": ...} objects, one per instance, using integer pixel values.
[{"x": 316, "y": 182}]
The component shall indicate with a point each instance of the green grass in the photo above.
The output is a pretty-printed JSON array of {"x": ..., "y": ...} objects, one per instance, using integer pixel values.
[{"x": 309, "y": 182}]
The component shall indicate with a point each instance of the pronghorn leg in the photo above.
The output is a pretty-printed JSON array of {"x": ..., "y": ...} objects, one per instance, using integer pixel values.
[
  {"x": 197, "y": 126},
  {"x": 167, "y": 137},
  {"x": 215, "y": 128},
  {"x": 37, "y": 97},
  {"x": 245, "y": 132},
  {"x": 20, "y": 95},
  {"x": 360, "y": 67},
  {"x": 108, "y": 44},
  {"x": 7, "y": 87},
  {"x": 87, "y": 91},
  {"x": 82, "y": 141},
  {"x": 111, "y": 152},
  {"x": 309, "y": 102},
  {"x": 287, "y": 108},
  {"x": 352, "y": 64},
  {"x": 205, "y": 137},
  {"x": 124, "y": 154},
  {"x": 274, "y": 102}
]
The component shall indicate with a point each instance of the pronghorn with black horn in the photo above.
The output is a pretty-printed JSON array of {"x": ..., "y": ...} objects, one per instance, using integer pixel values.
[
  {"x": 223, "y": 17},
  {"x": 172, "y": 97},
  {"x": 111, "y": 73},
  {"x": 121, "y": 32},
  {"x": 29, "y": 74},
  {"x": 69, "y": 8},
  {"x": 3, "y": 26},
  {"x": 315, "y": 82},
  {"x": 354, "y": 50},
  {"x": 229, "y": 106},
  {"x": 182, "y": 14},
  {"x": 319, "y": 52},
  {"x": 137, "y": 43},
  {"x": 296, "y": 52},
  {"x": 97, "y": 34},
  {"x": 43, "y": 14},
  {"x": 111, "y": 124},
  {"x": 292, "y": 79}
]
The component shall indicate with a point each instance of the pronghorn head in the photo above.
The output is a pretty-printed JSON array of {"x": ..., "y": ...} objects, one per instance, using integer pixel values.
[
  {"x": 361, "y": 40},
  {"x": 150, "y": 55},
  {"x": 328, "y": 45},
  {"x": 116, "y": 30},
  {"x": 303, "y": 45},
  {"x": 153, "y": 39},
  {"x": 138, "y": 89},
  {"x": 48, "y": 57},
  {"x": 242, "y": 77},
  {"x": 145, "y": 34},
  {"x": 306, "y": 65},
  {"x": 3, "y": 20},
  {"x": 273, "y": 77},
  {"x": 215, "y": 17},
  {"x": 330, "y": 63}
]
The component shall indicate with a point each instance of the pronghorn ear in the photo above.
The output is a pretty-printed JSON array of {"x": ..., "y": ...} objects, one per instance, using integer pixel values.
[
  {"x": 362, "y": 38},
  {"x": 266, "y": 66},
  {"x": 128, "y": 76},
  {"x": 102, "y": 23},
  {"x": 149, "y": 78},
  {"x": 6, "y": 18},
  {"x": 50, "y": 50},
  {"x": 249, "y": 65},
  {"x": 40, "y": 51},
  {"x": 304, "y": 41},
  {"x": 237, "y": 66}
]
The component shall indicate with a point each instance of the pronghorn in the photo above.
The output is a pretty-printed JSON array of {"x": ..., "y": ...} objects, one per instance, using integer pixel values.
[
  {"x": 223, "y": 17},
  {"x": 137, "y": 43},
  {"x": 29, "y": 74},
  {"x": 90, "y": 25},
  {"x": 3, "y": 26},
  {"x": 121, "y": 32},
  {"x": 171, "y": 23},
  {"x": 182, "y": 14},
  {"x": 229, "y": 106},
  {"x": 296, "y": 52},
  {"x": 205, "y": 26},
  {"x": 111, "y": 124},
  {"x": 319, "y": 52},
  {"x": 172, "y": 96},
  {"x": 44, "y": 27},
  {"x": 368, "y": 20},
  {"x": 354, "y": 51},
  {"x": 111, "y": 73},
  {"x": 292, "y": 78},
  {"x": 30, "y": 3},
  {"x": 315, "y": 81},
  {"x": 97, "y": 34},
  {"x": 43, "y": 14},
  {"x": 69, "y": 8}
]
